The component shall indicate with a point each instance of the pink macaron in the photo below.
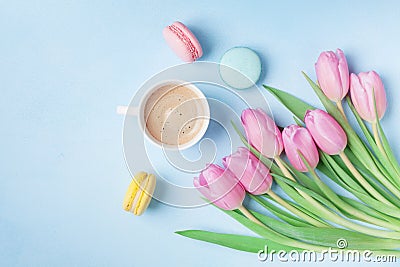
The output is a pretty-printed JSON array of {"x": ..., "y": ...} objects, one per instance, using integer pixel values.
[{"x": 183, "y": 42}]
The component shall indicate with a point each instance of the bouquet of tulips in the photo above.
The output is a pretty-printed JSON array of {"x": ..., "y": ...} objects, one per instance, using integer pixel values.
[{"x": 307, "y": 214}]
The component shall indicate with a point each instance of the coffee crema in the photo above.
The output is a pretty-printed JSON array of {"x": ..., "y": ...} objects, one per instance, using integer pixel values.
[{"x": 174, "y": 114}]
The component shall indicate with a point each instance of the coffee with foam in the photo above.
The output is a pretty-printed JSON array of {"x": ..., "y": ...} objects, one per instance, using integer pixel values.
[{"x": 175, "y": 114}]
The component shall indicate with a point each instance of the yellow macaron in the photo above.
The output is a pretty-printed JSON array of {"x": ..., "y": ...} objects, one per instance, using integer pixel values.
[{"x": 139, "y": 193}]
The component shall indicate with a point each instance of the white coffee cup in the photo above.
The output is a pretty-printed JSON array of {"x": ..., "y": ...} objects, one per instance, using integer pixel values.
[{"x": 199, "y": 105}]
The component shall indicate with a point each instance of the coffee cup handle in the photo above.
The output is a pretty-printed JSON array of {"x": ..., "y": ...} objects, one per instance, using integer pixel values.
[{"x": 128, "y": 111}]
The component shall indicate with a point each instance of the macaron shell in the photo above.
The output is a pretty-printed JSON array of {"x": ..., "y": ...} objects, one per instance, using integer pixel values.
[
  {"x": 132, "y": 190},
  {"x": 138, "y": 196},
  {"x": 240, "y": 67},
  {"x": 145, "y": 195},
  {"x": 183, "y": 42},
  {"x": 193, "y": 39}
]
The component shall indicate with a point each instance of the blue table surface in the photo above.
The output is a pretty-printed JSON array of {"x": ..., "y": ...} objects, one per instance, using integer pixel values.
[{"x": 66, "y": 65}]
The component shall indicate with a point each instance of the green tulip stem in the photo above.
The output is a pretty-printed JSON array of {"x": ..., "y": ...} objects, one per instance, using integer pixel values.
[
  {"x": 249, "y": 215},
  {"x": 340, "y": 107},
  {"x": 345, "y": 206},
  {"x": 362, "y": 180},
  {"x": 378, "y": 139},
  {"x": 375, "y": 127},
  {"x": 331, "y": 216},
  {"x": 287, "y": 173},
  {"x": 275, "y": 236},
  {"x": 385, "y": 152},
  {"x": 295, "y": 211}
]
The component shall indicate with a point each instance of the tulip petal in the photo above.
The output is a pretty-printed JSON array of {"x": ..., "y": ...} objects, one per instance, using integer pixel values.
[
  {"x": 362, "y": 87},
  {"x": 251, "y": 172},
  {"x": 360, "y": 99},
  {"x": 220, "y": 186},
  {"x": 380, "y": 94},
  {"x": 326, "y": 131},
  {"x": 328, "y": 75},
  {"x": 261, "y": 132},
  {"x": 295, "y": 139},
  {"x": 344, "y": 73},
  {"x": 307, "y": 147}
]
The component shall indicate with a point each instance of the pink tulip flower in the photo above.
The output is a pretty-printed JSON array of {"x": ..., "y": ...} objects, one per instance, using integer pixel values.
[
  {"x": 298, "y": 139},
  {"x": 221, "y": 187},
  {"x": 333, "y": 74},
  {"x": 251, "y": 172},
  {"x": 326, "y": 132},
  {"x": 362, "y": 87},
  {"x": 262, "y": 132}
]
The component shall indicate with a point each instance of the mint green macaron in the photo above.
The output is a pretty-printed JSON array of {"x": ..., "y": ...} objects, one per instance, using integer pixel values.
[{"x": 240, "y": 67}]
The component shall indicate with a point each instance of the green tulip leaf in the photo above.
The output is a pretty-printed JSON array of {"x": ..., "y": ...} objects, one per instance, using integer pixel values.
[
  {"x": 270, "y": 234},
  {"x": 367, "y": 199},
  {"x": 347, "y": 177},
  {"x": 388, "y": 168},
  {"x": 372, "y": 212},
  {"x": 298, "y": 121},
  {"x": 342, "y": 175},
  {"x": 303, "y": 179},
  {"x": 238, "y": 242},
  {"x": 328, "y": 236},
  {"x": 388, "y": 154},
  {"x": 279, "y": 212},
  {"x": 344, "y": 206},
  {"x": 313, "y": 194},
  {"x": 389, "y": 150},
  {"x": 299, "y": 202},
  {"x": 297, "y": 106}
]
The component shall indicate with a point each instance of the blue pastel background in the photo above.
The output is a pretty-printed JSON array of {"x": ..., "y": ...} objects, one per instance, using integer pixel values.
[{"x": 66, "y": 65}]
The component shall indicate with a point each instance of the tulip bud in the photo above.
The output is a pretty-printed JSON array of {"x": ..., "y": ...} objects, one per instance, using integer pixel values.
[
  {"x": 262, "y": 132},
  {"x": 361, "y": 88},
  {"x": 326, "y": 131},
  {"x": 298, "y": 139},
  {"x": 333, "y": 74},
  {"x": 251, "y": 172},
  {"x": 220, "y": 187}
]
